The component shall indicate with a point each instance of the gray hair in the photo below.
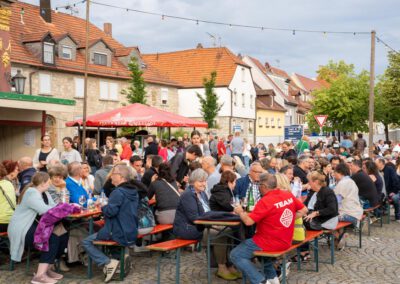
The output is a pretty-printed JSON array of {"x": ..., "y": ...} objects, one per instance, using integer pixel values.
[
  {"x": 269, "y": 180},
  {"x": 198, "y": 175},
  {"x": 126, "y": 172},
  {"x": 302, "y": 159}
]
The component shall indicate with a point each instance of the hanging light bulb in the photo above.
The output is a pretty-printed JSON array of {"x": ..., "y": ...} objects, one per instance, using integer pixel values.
[
  {"x": 162, "y": 17},
  {"x": 197, "y": 22},
  {"x": 294, "y": 32}
]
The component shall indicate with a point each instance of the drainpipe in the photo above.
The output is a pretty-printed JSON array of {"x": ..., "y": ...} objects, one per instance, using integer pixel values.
[
  {"x": 30, "y": 81},
  {"x": 230, "y": 118}
]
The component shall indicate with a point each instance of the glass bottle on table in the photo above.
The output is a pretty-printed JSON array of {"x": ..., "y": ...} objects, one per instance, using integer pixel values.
[
  {"x": 250, "y": 202},
  {"x": 90, "y": 203}
]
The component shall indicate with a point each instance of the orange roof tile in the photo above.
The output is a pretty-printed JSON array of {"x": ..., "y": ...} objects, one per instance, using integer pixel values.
[
  {"x": 34, "y": 37},
  {"x": 310, "y": 84},
  {"x": 189, "y": 67},
  {"x": 33, "y": 26},
  {"x": 279, "y": 72},
  {"x": 265, "y": 104}
]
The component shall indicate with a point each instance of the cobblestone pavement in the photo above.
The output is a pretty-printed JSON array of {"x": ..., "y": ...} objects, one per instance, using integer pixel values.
[{"x": 377, "y": 262}]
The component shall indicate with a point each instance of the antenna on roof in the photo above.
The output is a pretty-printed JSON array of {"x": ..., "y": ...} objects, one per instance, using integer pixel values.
[
  {"x": 214, "y": 39},
  {"x": 73, "y": 10}
]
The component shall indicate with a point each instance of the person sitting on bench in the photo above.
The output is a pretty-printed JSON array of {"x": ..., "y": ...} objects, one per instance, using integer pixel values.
[
  {"x": 121, "y": 219},
  {"x": 274, "y": 216}
]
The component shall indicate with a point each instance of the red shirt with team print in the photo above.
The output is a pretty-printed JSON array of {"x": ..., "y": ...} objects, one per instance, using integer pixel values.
[{"x": 274, "y": 215}]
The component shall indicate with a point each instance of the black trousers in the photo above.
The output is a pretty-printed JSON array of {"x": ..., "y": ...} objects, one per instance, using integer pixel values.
[
  {"x": 3, "y": 228},
  {"x": 57, "y": 245}
]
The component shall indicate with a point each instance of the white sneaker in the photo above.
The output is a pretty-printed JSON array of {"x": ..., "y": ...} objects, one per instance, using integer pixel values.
[
  {"x": 274, "y": 281},
  {"x": 140, "y": 249},
  {"x": 110, "y": 269},
  {"x": 342, "y": 242}
]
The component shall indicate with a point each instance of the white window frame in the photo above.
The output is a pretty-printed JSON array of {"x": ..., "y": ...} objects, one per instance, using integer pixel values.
[
  {"x": 235, "y": 98},
  {"x": 266, "y": 122},
  {"x": 243, "y": 74},
  {"x": 278, "y": 122},
  {"x": 272, "y": 122},
  {"x": 44, "y": 84},
  {"x": 260, "y": 121},
  {"x": 243, "y": 100},
  {"x": 69, "y": 53},
  {"x": 164, "y": 96},
  {"x": 108, "y": 91},
  {"x": 251, "y": 101},
  {"x": 102, "y": 54},
  {"x": 79, "y": 87},
  {"x": 48, "y": 56}
]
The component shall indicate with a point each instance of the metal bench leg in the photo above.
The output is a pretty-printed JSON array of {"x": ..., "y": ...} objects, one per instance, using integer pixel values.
[
  {"x": 28, "y": 260},
  {"x": 369, "y": 223},
  {"x": 388, "y": 213},
  {"x": 360, "y": 235},
  {"x": 178, "y": 265},
  {"x": 316, "y": 254},
  {"x": 122, "y": 264},
  {"x": 159, "y": 268},
  {"x": 284, "y": 270},
  {"x": 11, "y": 265},
  {"x": 298, "y": 259},
  {"x": 332, "y": 241},
  {"x": 208, "y": 256}
]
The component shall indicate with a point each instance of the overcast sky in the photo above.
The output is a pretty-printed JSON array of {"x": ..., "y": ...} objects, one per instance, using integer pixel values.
[{"x": 300, "y": 53}]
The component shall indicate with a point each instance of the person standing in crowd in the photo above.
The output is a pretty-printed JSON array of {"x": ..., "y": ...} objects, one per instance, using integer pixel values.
[
  {"x": 151, "y": 149},
  {"x": 93, "y": 156},
  {"x": 101, "y": 175},
  {"x": 45, "y": 154},
  {"x": 109, "y": 146},
  {"x": 246, "y": 153},
  {"x": 302, "y": 145},
  {"x": 360, "y": 144},
  {"x": 151, "y": 173},
  {"x": 163, "y": 151},
  {"x": 392, "y": 185},
  {"x": 275, "y": 226},
  {"x": 346, "y": 142},
  {"x": 137, "y": 163},
  {"x": 87, "y": 179},
  {"x": 180, "y": 164},
  {"x": 166, "y": 191},
  {"x": 121, "y": 220},
  {"x": 228, "y": 145},
  {"x": 137, "y": 151},
  {"x": 301, "y": 170},
  {"x": 69, "y": 154},
  {"x": 237, "y": 146},
  {"x": 287, "y": 151},
  {"x": 34, "y": 202},
  {"x": 12, "y": 174},
  {"x": 209, "y": 165},
  {"x": 221, "y": 147},
  {"x": 76, "y": 144},
  {"x": 213, "y": 145},
  {"x": 8, "y": 200},
  {"x": 195, "y": 139},
  {"x": 126, "y": 149},
  {"x": 26, "y": 171}
]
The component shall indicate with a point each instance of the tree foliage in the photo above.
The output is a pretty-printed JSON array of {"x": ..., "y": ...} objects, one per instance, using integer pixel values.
[
  {"x": 333, "y": 70},
  {"x": 136, "y": 92},
  {"x": 345, "y": 101},
  {"x": 209, "y": 106}
]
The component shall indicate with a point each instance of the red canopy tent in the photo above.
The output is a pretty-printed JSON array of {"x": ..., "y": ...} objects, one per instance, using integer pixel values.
[{"x": 138, "y": 115}]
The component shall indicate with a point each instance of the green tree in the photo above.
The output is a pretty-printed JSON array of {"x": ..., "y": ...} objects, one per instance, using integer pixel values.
[
  {"x": 345, "y": 101},
  {"x": 209, "y": 103},
  {"x": 136, "y": 92},
  {"x": 333, "y": 70}
]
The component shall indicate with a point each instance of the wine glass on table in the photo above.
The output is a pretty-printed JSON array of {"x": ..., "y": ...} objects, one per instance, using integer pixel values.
[{"x": 82, "y": 201}]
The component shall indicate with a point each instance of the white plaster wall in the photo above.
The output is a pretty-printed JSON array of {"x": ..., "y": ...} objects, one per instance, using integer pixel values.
[
  {"x": 189, "y": 104},
  {"x": 244, "y": 85}
]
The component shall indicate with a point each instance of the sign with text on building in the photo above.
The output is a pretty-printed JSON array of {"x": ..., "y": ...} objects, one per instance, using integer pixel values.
[
  {"x": 321, "y": 119},
  {"x": 294, "y": 132},
  {"x": 237, "y": 128}
]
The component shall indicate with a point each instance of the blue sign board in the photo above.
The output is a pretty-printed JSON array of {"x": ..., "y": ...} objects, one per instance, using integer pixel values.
[{"x": 293, "y": 132}]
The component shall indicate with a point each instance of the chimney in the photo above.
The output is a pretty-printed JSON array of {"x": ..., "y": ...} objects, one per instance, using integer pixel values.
[
  {"x": 45, "y": 10},
  {"x": 108, "y": 29},
  {"x": 199, "y": 45}
]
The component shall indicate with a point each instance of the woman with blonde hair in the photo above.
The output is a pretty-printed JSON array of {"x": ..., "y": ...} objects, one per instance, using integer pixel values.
[{"x": 283, "y": 182}]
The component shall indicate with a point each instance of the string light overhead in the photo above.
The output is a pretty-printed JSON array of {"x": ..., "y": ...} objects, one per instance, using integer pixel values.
[{"x": 231, "y": 25}]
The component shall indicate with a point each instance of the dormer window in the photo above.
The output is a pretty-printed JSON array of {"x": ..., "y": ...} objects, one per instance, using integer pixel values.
[
  {"x": 100, "y": 59},
  {"x": 48, "y": 53},
  {"x": 66, "y": 52}
]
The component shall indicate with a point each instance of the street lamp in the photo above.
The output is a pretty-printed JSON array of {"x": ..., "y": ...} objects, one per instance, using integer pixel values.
[{"x": 19, "y": 82}]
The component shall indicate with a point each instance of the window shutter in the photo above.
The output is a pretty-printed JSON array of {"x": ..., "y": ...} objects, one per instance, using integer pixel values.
[
  {"x": 79, "y": 87},
  {"x": 103, "y": 90},
  {"x": 164, "y": 96},
  {"x": 113, "y": 88},
  {"x": 44, "y": 84}
]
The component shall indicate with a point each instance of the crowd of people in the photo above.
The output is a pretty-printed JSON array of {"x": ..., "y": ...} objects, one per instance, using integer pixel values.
[{"x": 190, "y": 176}]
